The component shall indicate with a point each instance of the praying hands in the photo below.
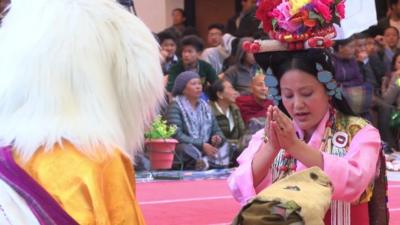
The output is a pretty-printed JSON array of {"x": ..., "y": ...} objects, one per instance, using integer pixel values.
[{"x": 279, "y": 129}]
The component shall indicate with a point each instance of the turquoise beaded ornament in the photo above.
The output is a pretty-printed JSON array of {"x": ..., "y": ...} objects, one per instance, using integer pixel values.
[
  {"x": 326, "y": 77},
  {"x": 272, "y": 83}
]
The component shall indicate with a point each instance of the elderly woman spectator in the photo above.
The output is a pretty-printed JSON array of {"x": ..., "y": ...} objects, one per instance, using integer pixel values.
[
  {"x": 201, "y": 142},
  {"x": 223, "y": 96}
]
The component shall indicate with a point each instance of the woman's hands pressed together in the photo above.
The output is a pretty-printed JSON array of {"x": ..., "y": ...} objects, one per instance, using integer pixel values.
[
  {"x": 282, "y": 135},
  {"x": 279, "y": 129}
]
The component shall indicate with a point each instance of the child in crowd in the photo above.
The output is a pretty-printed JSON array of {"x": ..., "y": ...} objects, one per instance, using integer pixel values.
[{"x": 168, "y": 44}]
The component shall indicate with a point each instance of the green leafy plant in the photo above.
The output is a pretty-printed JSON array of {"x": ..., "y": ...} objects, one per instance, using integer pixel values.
[{"x": 160, "y": 129}]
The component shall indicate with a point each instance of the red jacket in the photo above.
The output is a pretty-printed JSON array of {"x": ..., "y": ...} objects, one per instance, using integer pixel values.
[{"x": 249, "y": 108}]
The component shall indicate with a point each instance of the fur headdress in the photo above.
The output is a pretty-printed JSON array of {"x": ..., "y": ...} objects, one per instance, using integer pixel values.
[{"x": 85, "y": 71}]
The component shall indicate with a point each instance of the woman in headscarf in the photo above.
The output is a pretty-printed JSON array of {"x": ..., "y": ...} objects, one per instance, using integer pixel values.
[{"x": 201, "y": 142}]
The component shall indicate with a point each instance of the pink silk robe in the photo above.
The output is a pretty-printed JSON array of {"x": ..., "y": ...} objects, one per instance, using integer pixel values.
[{"x": 350, "y": 175}]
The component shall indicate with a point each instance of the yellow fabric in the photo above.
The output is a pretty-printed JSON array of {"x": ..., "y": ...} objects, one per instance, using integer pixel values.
[
  {"x": 100, "y": 191},
  {"x": 311, "y": 189}
]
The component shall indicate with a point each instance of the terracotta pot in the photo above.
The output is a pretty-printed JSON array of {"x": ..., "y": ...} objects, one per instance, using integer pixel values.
[{"x": 161, "y": 152}]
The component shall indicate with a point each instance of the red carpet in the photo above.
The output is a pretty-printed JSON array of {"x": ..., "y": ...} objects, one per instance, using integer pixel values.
[
  {"x": 394, "y": 203},
  {"x": 207, "y": 202}
]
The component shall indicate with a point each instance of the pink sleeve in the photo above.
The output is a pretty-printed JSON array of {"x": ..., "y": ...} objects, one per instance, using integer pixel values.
[
  {"x": 241, "y": 180},
  {"x": 352, "y": 174}
]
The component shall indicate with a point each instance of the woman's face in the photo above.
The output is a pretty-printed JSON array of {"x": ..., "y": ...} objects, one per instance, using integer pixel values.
[
  {"x": 305, "y": 99},
  {"x": 193, "y": 89},
  {"x": 229, "y": 94}
]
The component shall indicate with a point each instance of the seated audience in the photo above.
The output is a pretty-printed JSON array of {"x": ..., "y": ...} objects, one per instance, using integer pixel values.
[
  {"x": 223, "y": 96},
  {"x": 192, "y": 46},
  {"x": 347, "y": 72},
  {"x": 388, "y": 44},
  {"x": 242, "y": 72},
  {"x": 201, "y": 142},
  {"x": 391, "y": 96},
  {"x": 168, "y": 44},
  {"x": 358, "y": 93},
  {"x": 214, "y": 36},
  {"x": 217, "y": 55},
  {"x": 371, "y": 66},
  {"x": 254, "y": 107}
]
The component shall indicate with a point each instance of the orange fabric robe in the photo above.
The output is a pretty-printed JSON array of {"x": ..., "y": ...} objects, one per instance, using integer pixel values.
[{"x": 92, "y": 191}]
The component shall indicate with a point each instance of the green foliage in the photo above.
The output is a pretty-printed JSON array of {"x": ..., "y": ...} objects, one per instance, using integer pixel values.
[{"x": 160, "y": 129}]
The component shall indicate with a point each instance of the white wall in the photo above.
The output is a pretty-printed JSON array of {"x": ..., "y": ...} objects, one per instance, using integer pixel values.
[{"x": 157, "y": 13}]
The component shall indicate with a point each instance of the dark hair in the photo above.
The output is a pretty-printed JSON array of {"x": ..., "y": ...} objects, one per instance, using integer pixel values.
[
  {"x": 392, "y": 2},
  {"x": 218, "y": 26},
  {"x": 306, "y": 60},
  {"x": 392, "y": 27},
  {"x": 166, "y": 35},
  {"x": 359, "y": 36},
  {"x": 232, "y": 57},
  {"x": 180, "y": 10},
  {"x": 193, "y": 40},
  {"x": 343, "y": 42},
  {"x": 217, "y": 86},
  {"x": 393, "y": 65}
]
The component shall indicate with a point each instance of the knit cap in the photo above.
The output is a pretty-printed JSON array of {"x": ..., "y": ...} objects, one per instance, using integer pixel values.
[{"x": 181, "y": 80}]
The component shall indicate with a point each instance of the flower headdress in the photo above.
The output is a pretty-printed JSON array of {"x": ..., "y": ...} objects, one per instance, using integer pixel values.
[{"x": 298, "y": 24}]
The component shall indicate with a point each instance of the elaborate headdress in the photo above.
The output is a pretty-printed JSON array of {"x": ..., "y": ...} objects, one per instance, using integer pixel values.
[
  {"x": 78, "y": 70},
  {"x": 298, "y": 24}
]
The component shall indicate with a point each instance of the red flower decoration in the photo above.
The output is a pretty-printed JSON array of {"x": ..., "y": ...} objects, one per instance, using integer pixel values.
[
  {"x": 340, "y": 9},
  {"x": 323, "y": 9},
  {"x": 327, "y": 2},
  {"x": 263, "y": 13}
]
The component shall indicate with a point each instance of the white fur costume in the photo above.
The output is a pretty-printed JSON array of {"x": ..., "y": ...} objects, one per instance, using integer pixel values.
[{"x": 86, "y": 72}]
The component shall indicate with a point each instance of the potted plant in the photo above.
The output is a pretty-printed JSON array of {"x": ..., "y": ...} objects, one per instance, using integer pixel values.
[{"x": 159, "y": 144}]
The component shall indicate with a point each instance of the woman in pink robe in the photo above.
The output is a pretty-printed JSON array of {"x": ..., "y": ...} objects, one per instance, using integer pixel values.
[{"x": 313, "y": 137}]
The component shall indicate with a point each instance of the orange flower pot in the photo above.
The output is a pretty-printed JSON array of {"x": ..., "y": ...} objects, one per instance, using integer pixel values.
[{"x": 161, "y": 152}]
